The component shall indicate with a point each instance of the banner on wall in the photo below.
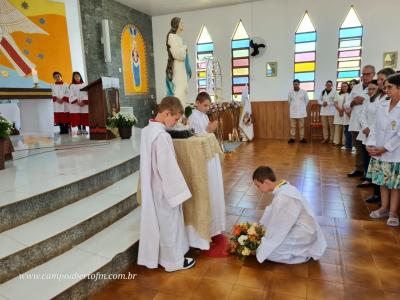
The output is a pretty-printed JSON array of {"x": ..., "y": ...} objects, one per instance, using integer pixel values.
[
  {"x": 134, "y": 61},
  {"x": 33, "y": 43}
]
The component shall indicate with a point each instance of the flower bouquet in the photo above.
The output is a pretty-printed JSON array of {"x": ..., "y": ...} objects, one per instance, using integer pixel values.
[
  {"x": 124, "y": 123},
  {"x": 245, "y": 239}
]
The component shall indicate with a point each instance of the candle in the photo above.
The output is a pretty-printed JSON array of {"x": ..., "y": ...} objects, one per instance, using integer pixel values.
[
  {"x": 35, "y": 76},
  {"x": 230, "y": 136}
]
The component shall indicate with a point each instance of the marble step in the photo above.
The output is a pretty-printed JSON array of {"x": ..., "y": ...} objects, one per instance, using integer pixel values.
[
  {"x": 33, "y": 243},
  {"x": 108, "y": 252},
  {"x": 34, "y": 198}
]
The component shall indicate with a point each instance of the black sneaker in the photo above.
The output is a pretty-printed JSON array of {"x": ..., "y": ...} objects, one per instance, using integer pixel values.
[
  {"x": 303, "y": 141},
  {"x": 188, "y": 263},
  {"x": 291, "y": 141}
]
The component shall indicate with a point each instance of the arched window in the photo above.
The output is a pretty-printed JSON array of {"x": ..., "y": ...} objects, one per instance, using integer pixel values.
[
  {"x": 240, "y": 61},
  {"x": 305, "y": 54},
  {"x": 349, "y": 50},
  {"x": 205, "y": 51}
]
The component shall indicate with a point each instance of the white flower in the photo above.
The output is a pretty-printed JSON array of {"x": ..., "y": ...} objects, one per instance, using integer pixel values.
[{"x": 242, "y": 238}]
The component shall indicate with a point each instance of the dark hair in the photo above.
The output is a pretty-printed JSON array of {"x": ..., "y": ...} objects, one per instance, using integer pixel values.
[
  {"x": 325, "y": 91},
  {"x": 374, "y": 81},
  {"x": 296, "y": 80},
  {"x": 73, "y": 79},
  {"x": 203, "y": 96},
  {"x": 262, "y": 173},
  {"x": 355, "y": 81},
  {"x": 172, "y": 104},
  {"x": 394, "y": 79},
  {"x": 387, "y": 72},
  {"x": 56, "y": 73},
  {"x": 348, "y": 87},
  {"x": 174, "y": 28}
]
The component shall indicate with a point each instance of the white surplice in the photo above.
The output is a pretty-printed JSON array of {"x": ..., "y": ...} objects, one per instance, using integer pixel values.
[
  {"x": 292, "y": 232},
  {"x": 198, "y": 121},
  {"x": 163, "y": 237}
]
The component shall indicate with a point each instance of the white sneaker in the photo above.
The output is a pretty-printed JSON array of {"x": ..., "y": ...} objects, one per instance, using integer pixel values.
[{"x": 343, "y": 148}]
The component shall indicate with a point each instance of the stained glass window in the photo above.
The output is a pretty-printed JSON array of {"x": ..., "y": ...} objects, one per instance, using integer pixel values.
[
  {"x": 240, "y": 61},
  {"x": 304, "y": 55},
  {"x": 205, "y": 51},
  {"x": 350, "y": 46}
]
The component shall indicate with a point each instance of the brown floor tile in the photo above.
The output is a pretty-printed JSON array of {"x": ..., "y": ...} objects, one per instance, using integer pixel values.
[
  {"x": 325, "y": 272},
  {"x": 392, "y": 296},
  {"x": 356, "y": 292},
  {"x": 223, "y": 272},
  {"x": 300, "y": 270},
  {"x": 387, "y": 263},
  {"x": 291, "y": 285},
  {"x": 162, "y": 296},
  {"x": 212, "y": 289},
  {"x": 324, "y": 290},
  {"x": 254, "y": 278},
  {"x": 280, "y": 296},
  {"x": 360, "y": 260},
  {"x": 367, "y": 277},
  {"x": 242, "y": 292},
  {"x": 180, "y": 284},
  {"x": 390, "y": 281}
]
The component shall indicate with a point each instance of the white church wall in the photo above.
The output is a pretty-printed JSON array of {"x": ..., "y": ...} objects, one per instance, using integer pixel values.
[{"x": 276, "y": 21}]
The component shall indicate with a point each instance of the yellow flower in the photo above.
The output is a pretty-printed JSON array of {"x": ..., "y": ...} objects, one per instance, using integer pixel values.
[
  {"x": 252, "y": 231},
  {"x": 246, "y": 251}
]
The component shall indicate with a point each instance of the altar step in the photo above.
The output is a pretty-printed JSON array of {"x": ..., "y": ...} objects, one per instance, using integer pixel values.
[
  {"x": 107, "y": 252},
  {"x": 28, "y": 245},
  {"x": 30, "y": 201}
]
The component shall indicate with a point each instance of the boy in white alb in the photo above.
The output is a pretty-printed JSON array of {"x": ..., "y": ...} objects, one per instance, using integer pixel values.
[
  {"x": 60, "y": 95},
  {"x": 163, "y": 237},
  {"x": 292, "y": 233},
  {"x": 78, "y": 109},
  {"x": 199, "y": 120},
  {"x": 298, "y": 100},
  {"x": 201, "y": 124}
]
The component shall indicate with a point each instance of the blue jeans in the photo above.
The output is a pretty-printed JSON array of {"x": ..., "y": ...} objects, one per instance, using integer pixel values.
[{"x": 347, "y": 136}]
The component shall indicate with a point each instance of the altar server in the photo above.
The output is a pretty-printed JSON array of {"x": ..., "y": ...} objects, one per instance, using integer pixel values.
[
  {"x": 60, "y": 95},
  {"x": 199, "y": 120},
  {"x": 383, "y": 144},
  {"x": 201, "y": 124},
  {"x": 163, "y": 237},
  {"x": 78, "y": 109},
  {"x": 327, "y": 113},
  {"x": 292, "y": 233}
]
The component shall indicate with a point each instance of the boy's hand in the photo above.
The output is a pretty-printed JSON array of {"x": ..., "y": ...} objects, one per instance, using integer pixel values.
[{"x": 212, "y": 126}]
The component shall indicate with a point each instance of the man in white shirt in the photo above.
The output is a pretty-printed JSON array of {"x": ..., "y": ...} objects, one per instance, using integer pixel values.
[
  {"x": 298, "y": 100},
  {"x": 358, "y": 95},
  {"x": 327, "y": 113}
]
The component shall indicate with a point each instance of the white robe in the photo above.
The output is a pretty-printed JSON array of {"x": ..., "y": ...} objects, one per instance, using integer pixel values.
[
  {"x": 180, "y": 78},
  {"x": 60, "y": 91},
  {"x": 199, "y": 121},
  {"x": 292, "y": 232},
  {"x": 76, "y": 94},
  {"x": 163, "y": 238}
]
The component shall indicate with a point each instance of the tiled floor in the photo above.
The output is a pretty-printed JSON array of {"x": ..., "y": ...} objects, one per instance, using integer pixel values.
[{"x": 363, "y": 256}]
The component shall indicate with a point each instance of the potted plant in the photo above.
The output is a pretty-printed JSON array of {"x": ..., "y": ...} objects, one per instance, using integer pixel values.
[
  {"x": 5, "y": 131},
  {"x": 124, "y": 122}
]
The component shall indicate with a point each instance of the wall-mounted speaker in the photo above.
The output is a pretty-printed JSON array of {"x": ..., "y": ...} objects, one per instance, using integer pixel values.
[{"x": 105, "y": 40}]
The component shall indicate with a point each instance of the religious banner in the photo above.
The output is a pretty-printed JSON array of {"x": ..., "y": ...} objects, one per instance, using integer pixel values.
[
  {"x": 33, "y": 43},
  {"x": 134, "y": 61}
]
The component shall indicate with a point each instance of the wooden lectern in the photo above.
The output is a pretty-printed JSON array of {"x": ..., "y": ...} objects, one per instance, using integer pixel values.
[{"x": 103, "y": 98}]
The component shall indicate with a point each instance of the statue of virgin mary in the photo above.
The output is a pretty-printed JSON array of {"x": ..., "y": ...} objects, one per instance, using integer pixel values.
[{"x": 178, "y": 68}]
